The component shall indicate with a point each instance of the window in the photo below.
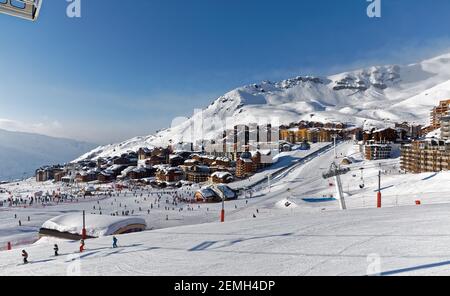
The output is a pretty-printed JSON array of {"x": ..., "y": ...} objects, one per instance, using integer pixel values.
[{"x": 18, "y": 4}]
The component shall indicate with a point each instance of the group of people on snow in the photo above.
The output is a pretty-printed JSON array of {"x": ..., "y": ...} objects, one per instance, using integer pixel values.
[{"x": 56, "y": 249}]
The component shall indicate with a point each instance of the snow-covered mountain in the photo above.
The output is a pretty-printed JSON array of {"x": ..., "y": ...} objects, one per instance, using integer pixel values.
[
  {"x": 22, "y": 153},
  {"x": 364, "y": 97}
]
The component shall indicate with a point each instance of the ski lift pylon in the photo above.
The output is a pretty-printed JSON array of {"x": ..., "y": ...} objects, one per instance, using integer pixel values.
[{"x": 26, "y": 9}]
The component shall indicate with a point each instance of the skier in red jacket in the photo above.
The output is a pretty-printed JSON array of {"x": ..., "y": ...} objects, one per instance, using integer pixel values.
[{"x": 82, "y": 246}]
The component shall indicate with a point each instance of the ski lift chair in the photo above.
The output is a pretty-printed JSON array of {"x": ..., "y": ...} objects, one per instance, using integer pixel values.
[{"x": 26, "y": 9}]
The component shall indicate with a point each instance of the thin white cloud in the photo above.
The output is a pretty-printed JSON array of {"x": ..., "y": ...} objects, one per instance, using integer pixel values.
[{"x": 46, "y": 127}]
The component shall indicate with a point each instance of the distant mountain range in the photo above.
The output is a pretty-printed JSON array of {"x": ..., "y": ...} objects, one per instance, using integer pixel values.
[
  {"x": 22, "y": 153},
  {"x": 367, "y": 97}
]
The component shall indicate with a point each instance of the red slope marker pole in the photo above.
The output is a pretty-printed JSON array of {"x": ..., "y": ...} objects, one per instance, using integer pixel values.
[
  {"x": 379, "y": 191},
  {"x": 83, "y": 232},
  {"x": 222, "y": 212}
]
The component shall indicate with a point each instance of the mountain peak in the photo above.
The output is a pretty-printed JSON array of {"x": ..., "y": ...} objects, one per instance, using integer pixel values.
[{"x": 369, "y": 96}]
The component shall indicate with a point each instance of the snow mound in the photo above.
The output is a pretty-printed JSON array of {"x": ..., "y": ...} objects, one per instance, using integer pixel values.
[
  {"x": 47, "y": 240},
  {"x": 96, "y": 225}
]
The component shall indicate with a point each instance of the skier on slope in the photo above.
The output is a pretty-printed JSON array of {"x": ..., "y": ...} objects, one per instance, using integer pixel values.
[
  {"x": 114, "y": 242},
  {"x": 25, "y": 256},
  {"x": 82, "y": 246},
  {"x": 56, "y": 249}
]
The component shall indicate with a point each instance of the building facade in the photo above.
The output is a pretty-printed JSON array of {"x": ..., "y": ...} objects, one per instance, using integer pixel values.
[
  {"x": 245, "y": 165},
  {"x": 169, "y": 174},
  {"x": 425, "y": 156},
  {"x": 373, "y": 151},
  {"x": 445, "y": 127},
  {"x": 198, "y": 174},
  {"x": 312, "y": 135},
  {"x": 381, "y": 135},
  {"x": 438, "y": 112}
]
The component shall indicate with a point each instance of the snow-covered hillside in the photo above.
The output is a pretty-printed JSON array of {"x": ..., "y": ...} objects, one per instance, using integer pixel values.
[
  {"x": 22, "y": 153},
  {"x": 363, "y": 97}
]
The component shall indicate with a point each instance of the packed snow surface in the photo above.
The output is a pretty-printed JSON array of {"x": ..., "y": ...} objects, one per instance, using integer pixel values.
[{"x": 404, "y": 241}]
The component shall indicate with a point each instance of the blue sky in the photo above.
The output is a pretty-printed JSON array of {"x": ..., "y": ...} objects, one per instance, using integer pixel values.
[{"x": 127, "y": 68}]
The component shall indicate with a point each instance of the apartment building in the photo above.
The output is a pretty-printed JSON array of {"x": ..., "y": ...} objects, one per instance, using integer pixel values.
[
  {"x": 429, "y": 155},
  {"x": 445, "y": 127},
  {"x": 438, "y": 112},
  {"x": 377, "y": 151}
]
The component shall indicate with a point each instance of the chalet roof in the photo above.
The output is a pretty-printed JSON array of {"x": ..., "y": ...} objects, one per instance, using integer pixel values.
[
  {"x": 139, "y": 170},
  {"x": 225, "y": 159},
  {"x": 145, "y": 150},
  {"x": 255, "y": 153},
  {"x": 221, "y": 175},
  {"x": 380, "y": 145},
  {"x": 127, "y": 170},
  {"x": 115, "y": 167},
  {"x": 175, "y": 156},
  {"x": 224, "y": 190},
  {"x": 383, "y": 130},
  {"x": 207, "y": 192},
  {"x": 89, "y": 172},
  {"x": 265, "y": 151},
  {"x": 434, "y": 142},
  {"x": 201, "y": 168},
  {"x": 167, "y": 169}
]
